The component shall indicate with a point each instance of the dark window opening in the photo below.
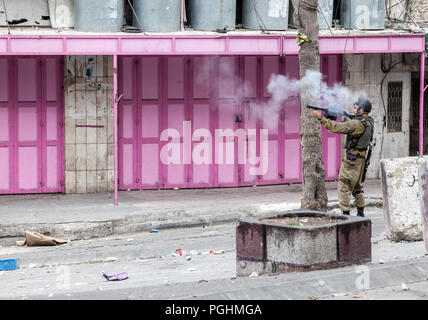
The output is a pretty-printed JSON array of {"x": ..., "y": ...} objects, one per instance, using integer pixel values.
[{"x": 395, "y": 106}]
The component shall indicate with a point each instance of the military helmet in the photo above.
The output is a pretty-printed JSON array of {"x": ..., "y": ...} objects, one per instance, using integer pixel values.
[{"x": 364, "y": 104}]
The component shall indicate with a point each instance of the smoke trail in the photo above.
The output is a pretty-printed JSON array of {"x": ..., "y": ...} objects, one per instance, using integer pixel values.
[{"x": 282, "y": 88}]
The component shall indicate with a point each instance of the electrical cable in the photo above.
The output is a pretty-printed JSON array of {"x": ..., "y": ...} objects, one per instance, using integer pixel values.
[
  {"x": 259, "y": 19},
  {"x": 138, "y": 20},
  {"x": 389, "y": 13},
  {"x": 325, "y": 19},
  {"x": 405, "y": 8}
]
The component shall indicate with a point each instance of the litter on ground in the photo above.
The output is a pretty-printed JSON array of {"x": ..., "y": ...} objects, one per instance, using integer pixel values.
[
  {"x": 110, "y": 259},
  {"x": 38, "y": 239},
  {"x": 9, "y": 264},
  {"x": 117, "y": 277}
]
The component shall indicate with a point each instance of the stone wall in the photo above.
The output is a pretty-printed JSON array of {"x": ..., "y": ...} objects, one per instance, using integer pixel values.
[
  {"x": 417, "y": 11},
  {"x": 89, "y": 144},
  {"x": 363, "y": 73}
]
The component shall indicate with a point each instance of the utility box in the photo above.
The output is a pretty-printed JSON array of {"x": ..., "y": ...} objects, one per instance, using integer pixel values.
[{"x": 400, "y": 186}]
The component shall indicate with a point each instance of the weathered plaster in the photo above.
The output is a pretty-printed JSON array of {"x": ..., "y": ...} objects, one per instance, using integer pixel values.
[
  {"x": 88, "y": 124},
  {"x": 362, "y": 72},
  {"x": 402, "y": 210}
]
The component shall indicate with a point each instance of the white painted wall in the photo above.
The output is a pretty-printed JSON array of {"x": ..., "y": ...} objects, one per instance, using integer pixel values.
[
  {"x": 396, "y": 144},
  {"x": 362, "y": 72}
]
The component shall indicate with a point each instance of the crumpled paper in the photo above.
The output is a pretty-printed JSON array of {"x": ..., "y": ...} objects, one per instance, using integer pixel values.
[{"x": 33, "y": 239}]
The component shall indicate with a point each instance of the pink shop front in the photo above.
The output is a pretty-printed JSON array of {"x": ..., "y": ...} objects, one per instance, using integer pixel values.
[
  {"x": 183, "y": 108},
  {"x": 190, "y": 95},
  {"x": 31, "y": 124}
]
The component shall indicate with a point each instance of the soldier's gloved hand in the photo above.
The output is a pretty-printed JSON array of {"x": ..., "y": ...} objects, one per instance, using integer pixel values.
[{"x": 315, "y": 113}]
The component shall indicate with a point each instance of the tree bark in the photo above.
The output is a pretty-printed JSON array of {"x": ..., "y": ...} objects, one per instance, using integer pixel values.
[{"x": 314, "y": 195}]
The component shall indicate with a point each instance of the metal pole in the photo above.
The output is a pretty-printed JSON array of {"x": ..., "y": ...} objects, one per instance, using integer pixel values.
[
  {"x": 115, "y": 100},
  {"x": 421, "y": 105}
]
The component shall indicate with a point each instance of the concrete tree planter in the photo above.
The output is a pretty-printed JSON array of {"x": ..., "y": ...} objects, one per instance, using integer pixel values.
[{"x": 266, "y": 246}]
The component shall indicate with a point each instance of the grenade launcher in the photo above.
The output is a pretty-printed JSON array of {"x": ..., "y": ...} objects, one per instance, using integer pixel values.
[{"x": 333, "y": 112}]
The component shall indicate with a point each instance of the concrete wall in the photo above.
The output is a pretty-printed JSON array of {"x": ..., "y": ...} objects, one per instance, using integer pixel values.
[
  {"x": 419, "y": 11},
  {"x": 396, "y": 144},
  {"x": 423, "y": 198},
  {"x": 362, "y": 72},
  {"x": 89, "y": 153},
  {"x": 402, "y": 210}
]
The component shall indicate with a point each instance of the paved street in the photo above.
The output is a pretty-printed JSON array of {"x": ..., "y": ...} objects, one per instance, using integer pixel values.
[
  {"x": 74, "y": 270},
  {"x": 411, "y": 291}
]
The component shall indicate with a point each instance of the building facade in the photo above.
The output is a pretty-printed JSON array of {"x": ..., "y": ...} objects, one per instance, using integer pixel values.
[{"x": 84, "y": 112}]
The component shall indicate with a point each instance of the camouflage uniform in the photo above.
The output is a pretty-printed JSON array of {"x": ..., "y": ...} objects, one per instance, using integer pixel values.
[{"x": 351, "y": 171}]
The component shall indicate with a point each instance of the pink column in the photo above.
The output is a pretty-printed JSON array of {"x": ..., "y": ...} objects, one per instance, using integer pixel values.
[
  {"x": 421, "y": 105},
  {"x": 116, "y": 164}
]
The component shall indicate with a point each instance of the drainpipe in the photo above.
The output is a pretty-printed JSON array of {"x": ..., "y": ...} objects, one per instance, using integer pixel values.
[{"x": 115, "y": 99}]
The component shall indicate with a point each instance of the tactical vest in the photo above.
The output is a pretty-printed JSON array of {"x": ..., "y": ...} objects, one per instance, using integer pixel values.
[{"x": 361, "y": 142}]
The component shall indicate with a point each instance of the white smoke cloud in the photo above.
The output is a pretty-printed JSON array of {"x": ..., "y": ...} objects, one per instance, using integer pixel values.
[{"x": 282, "y": 88}]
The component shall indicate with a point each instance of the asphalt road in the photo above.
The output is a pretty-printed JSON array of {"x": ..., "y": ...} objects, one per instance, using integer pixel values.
[{"x": 74, "y": 270}]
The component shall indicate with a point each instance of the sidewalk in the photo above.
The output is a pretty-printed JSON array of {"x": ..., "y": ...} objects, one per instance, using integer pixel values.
[{"x": 85, "y": 216}]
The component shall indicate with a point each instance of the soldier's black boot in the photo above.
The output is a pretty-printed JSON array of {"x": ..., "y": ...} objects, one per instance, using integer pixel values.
[
  {"x": 360, "y": 212},
  {"x": 346, "y": 213}
]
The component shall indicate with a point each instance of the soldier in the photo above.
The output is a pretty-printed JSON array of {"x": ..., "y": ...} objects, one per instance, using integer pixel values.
[{"x": 359, "y": 133}]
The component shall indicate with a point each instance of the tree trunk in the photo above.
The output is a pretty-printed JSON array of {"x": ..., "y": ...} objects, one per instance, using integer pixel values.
[{"x": 314, "y": 192}]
